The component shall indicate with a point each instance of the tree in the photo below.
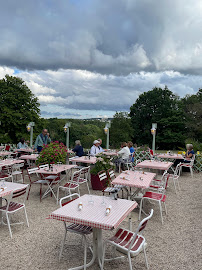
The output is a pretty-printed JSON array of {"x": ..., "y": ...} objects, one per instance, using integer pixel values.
[
  {"x": 159, "y": 106},
  {"x": 121, "y": 129},
  {"x": 192, "y": 106},
  {"x": 18, "y": 107}
]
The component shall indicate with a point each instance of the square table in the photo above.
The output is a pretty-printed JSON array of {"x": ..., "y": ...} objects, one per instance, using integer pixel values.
[
  {"x": 153, "y": 164},
  {"x": 84, "y": 159},
  {"x": 170, "y": 156},
  {"x": 5, "y": 153},
  {"x": 10, "y": 162},
  {"x": 93, "y": 214}
]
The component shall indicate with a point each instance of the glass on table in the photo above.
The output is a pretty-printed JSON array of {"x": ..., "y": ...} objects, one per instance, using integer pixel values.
[{"x": 90, "y": 201}]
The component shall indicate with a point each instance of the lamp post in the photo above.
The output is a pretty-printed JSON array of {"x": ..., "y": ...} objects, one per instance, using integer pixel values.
[
  {"x": 30, "y": 129},
  {"x": 153, "y": 132},
  {"x": 66, "y": 130},
  {"x": 106, "y": 130}
]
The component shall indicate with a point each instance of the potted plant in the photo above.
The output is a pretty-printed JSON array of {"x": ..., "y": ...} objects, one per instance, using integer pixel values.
[
  {"x": 52, "y": 153},
  {"x": 103, "y": 163}
]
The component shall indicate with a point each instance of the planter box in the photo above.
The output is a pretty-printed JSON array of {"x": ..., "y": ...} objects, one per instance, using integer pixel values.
[{"x": 96, "y": 184}]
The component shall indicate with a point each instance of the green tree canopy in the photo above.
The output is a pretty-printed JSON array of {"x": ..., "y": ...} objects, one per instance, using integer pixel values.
[
  {"x": 159, "y": 106},
  {"x": 18, "y": 107},
  {"x": 121, "y": 129}
]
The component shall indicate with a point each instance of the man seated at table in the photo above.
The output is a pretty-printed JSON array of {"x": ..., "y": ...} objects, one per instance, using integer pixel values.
[
  {"x": 95, "y": 149},
  {"x": 124, "y": 155},
  {"x": 99, "y": 146},
  {"x": 22, "y": 144},
  {"x": 78, "y": 149}
]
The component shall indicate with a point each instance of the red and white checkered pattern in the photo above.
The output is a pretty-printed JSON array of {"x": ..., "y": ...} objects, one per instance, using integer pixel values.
[
  {"x": 172, "y": 156},
  {"x": 10, "y": 162},
  {"x": 28, "y": 150},
  {"x": 84, "y": 159},
  {"x": 11, "y": 187},
  {"x": 134, "y": 179},
  {"x": 152, "y": 164},
  {"x": 56, "y": 169},
  {"x": 108, "y": 153},
  {"x": 30, "y": 157},
  {"x": 94, "y": 214}
]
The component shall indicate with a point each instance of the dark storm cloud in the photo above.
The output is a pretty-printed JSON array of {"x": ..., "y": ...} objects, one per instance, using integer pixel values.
[{"x": 107, "y": 36}]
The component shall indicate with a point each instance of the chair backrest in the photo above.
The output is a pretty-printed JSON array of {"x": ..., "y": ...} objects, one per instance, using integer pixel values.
[
  {"x": 140, "y": 228},
  {"x": 102, "y": 176},
  {"x": 72, "y": 197},
  {"x": 192, "y": 160},
  {"x": 111, "y": 174},
  {"x": 85, "y": 172},
  {"x": 32, "y": 171},
  {"x": 18, "y": 193},
  {"x": 177, "y": 171},
  {"x": 164, "y": 183},
  {"x": 75, "y": 176},
  {"x": 44, "y": 166},
  {"x": 7, "y": 148}
]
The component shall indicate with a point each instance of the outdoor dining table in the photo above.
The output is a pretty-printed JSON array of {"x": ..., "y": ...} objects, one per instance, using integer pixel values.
[
  {"x": 84, "y": 159},
  {"x": 153, "y": 164},
  {"x": 29, "y": 157},
  {"x": 2, "y": 147},
  {"x": 93, "y": 213},
  {"x": 170, "y": 156},
  {"x": 110, "y": 153},
  {"x": 10, "y": 162},
  {"x": 6, "y": 188},
  {"x": 25, "y": 150},
  {"x": 5, "y": 153}
]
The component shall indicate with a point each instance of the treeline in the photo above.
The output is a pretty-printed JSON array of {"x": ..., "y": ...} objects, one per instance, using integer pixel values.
[{"x": 179, "y": 120}]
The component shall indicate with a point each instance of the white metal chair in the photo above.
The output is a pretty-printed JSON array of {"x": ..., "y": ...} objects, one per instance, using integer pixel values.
[
  {"x": 75, "y": 228},
  {"x": 129, "y": 243},
  {"x": 157, "y": 196},
  {"x": 188, "y": 165},
  {"x": 84, "y": 177},
  {"x": 12, "y": 206},
  {"x": 17, "y": 173},
  {"x": 109, "y": 189},
  {"x": 71, "y": 185},
  {"x": 175, "y": 177}
]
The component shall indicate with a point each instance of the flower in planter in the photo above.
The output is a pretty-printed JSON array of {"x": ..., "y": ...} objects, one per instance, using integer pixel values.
[
  {"x": 53, "y": 153},
  {"x": 103, "y": 163}
]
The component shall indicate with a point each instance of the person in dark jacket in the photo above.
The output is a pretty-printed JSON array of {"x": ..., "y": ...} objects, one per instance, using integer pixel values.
[{"x": 78, "y": 149}]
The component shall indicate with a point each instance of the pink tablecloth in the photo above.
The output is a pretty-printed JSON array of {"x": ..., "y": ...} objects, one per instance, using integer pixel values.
[
  {"x": 56, "y": 169},
  {"x": 28, "y": 150},
  {"x": 10, "y": 162},
  {"x": 5, "y": 153},
  {"x": 134, "y": 179},
  {"x": 172, "y": 156},
  {"x": 151, "y": 164},
  {"x": 110, "y": 153},
  {"x": 94, "y": 214},
  {"x": 11, "y": 187},
  {"x": 30, "y": 157},
  {"x": 84, "y": 159}
]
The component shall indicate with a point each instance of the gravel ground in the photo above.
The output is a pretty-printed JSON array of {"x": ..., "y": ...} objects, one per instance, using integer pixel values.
[{"x": 172, "y": 246}]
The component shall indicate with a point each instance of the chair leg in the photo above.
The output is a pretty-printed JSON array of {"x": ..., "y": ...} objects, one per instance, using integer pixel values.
[
  {"x": 165, "y": 208},
  {"x": 9, "y": 226},
  {"x": 191, "y": 171},
  {"x": 85, "y": 251},
  {"x": 62, "y": 246},
  {"x": 88, "y": 187},
  {"x": 26, "y": 217},
  {"x": 130, "y": 263},
  {"x": 161, "y": 211},
  {"x": 140, "y": 208},
  {"x": 174, "y": 185},
  {"x": 29, "y": 190},
  {"x": 145, "y": 256},
  {"x": 58, "y": 194}
]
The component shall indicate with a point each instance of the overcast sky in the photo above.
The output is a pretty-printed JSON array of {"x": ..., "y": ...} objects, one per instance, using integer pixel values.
[{"x": 90, "y": 58}]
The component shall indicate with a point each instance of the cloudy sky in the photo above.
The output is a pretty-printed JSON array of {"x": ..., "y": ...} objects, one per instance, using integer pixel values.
[{"x": 91, "y": 58}]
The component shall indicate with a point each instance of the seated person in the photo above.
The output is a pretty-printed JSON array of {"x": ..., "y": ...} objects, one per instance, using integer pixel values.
[
  {"x": 95, "y": 149},
  {"x": 99, "y": 146},
  {"x": 22, "y": 144},
  {"x": 124, "y": 154},
  {"x": 189, "y": 154},
  {"x": 78, "y": 149},
  {"x": 131, "y": 148}
]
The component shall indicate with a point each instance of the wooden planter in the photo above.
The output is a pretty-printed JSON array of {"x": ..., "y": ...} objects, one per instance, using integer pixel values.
[{"x": 96, "y": 184}]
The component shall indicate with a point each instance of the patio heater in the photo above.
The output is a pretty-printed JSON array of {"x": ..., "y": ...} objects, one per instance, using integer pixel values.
[
  {"x": 30, "y": 129},
  {"x": 106, "y": 130},
  {"x": 66, "y": 130},
  {"x": 153, "y": 132}
]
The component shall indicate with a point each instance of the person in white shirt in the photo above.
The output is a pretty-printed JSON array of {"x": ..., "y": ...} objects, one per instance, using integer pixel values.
[
  {"x": 99, "y": 146},
  {"x": 95, "y": 149},
  {"x": 124, "y": 155}
]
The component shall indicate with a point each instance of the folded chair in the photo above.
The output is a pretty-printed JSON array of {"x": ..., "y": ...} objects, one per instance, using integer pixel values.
[
  {"x": 12, "y": 206},
  {"x": 75, "y": 228},
  {"x": 128, "y": 242}
]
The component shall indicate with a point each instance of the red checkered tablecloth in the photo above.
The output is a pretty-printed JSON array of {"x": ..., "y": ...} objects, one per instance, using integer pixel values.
[
  {"x": 84, "y": 159},
  {"x": 152, "y": 164},
  {"x": 30, "y": 157},
  {"x": 94, "y": 214},
  {"x": 171, "y": 156},
  {"x": 10, "y": 187},
  {"x": 10, "y": 162},
  {"x": 56, "y": 169},
  {"x": 134, "y": 179}
]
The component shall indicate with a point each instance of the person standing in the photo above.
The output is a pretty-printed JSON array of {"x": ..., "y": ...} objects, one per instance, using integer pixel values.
[{"x": 41, "y": 140}]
